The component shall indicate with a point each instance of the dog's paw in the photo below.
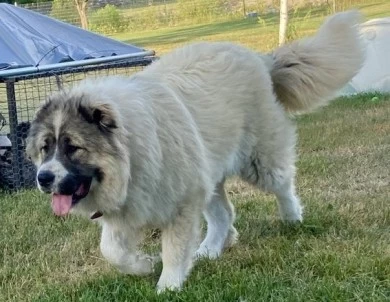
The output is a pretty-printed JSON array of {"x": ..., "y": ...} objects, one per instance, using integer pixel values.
[
  {"x": 293, "y": 215},
  {"x": 143, "y": 265},
  {"x": 168, "y": 284},
  {"x": 232, "y": 237},
  {"x": 150, "y": 262},
  {"x": 205, "y": 251}
]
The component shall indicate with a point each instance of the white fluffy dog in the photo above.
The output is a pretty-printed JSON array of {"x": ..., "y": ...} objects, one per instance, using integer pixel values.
[{"x": 154, "y": 149}]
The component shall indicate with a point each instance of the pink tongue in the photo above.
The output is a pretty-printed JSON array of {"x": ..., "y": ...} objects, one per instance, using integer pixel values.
[{"x": 61, "y": 204}]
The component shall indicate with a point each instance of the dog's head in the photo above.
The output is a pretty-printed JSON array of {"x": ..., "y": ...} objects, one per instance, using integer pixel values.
[{"x": 75, "y": 142}]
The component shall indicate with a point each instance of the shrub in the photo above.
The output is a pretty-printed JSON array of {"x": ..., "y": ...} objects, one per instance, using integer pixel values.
[{"x": 107, "y": 20}]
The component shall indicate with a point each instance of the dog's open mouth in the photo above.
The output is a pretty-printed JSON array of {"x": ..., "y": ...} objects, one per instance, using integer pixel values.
[{"x": 62, "y": 204}]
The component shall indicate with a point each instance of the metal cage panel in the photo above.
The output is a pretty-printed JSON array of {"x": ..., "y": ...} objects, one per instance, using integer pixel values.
[{"x": 20, "y": 96}]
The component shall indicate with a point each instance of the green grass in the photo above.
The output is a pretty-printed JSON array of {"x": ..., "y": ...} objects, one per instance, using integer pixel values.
[
  {"x": 261, "y": 36},
  {"x": 341, "y": 252}
]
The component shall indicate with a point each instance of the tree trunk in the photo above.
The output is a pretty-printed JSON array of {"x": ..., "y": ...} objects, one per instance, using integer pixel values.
[
  {"x": 283, "y": 21},
  {"x": 82, "y": 7}
]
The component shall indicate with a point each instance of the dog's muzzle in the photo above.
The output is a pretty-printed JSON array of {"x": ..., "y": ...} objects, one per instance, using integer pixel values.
[{"x": 45, "y": 180}]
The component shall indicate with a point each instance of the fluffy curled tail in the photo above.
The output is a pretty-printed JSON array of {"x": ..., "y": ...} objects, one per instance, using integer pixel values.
[{"x": 307, "y": 73}]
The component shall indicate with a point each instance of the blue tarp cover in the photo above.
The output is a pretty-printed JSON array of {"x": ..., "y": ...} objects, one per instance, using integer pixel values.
[{"x": 31, "y": 39}]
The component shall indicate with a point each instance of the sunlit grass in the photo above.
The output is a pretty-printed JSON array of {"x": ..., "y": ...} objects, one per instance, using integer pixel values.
[
  {"x": 260, "y": 35},
  {"x": 341, "y": 252}
]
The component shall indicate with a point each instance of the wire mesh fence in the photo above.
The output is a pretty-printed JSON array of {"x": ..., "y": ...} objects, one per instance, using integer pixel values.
[
  {"x": 21, "y": 95},
  {"x": 115, "y": 16}
]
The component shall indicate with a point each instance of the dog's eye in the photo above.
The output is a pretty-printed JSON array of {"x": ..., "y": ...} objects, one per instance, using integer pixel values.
[
  {"x": 71, "y": 149},
  {"x": 44, "y": 148}
]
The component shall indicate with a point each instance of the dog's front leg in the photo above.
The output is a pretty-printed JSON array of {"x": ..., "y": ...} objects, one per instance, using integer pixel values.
[
  {"x": 119, "y": 247},
  {"x": 179, "y": 241}
]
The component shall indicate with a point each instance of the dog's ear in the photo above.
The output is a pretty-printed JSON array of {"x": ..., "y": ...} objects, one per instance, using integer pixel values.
[
  {"x": 104, "y": 116},
  {"x": 100, "y": 114}
]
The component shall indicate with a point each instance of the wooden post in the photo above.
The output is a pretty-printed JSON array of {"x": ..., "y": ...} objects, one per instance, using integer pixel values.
[{"x": 283, "y": 21}]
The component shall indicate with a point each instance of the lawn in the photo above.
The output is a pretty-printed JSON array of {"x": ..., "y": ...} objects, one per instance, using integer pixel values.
[
  {"x": 341, "y": 252},
  {"x": 260, "y": 35}
]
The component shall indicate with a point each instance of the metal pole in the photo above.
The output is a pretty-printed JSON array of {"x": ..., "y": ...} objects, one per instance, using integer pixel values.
[
  {"x": 51, "y": 67},
  {"x": 17, "y": 154}
]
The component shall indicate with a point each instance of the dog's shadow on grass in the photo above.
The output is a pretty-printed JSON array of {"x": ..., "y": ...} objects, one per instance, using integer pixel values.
[
  {"x": 267, "y": 229},
  {"x": 254, "y": 224}
]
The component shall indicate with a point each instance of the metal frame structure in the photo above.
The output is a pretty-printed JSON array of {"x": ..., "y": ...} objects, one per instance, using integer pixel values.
[{"x": 9, "y": 78}]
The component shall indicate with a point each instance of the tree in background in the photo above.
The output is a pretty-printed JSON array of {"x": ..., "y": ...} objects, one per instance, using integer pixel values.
[
  {"x": 283, "y": 21},
  {"x": 82, "y": 7}
]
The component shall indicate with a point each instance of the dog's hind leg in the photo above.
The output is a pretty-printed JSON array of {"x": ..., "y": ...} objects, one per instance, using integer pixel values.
[
  {"x": 219, "y": 214},
  {"x": 119, "y": 247},
  {"x": 290, "y": 209},
  {"x": 179, "y": 240},
  {"x": 277, "y": 179}
]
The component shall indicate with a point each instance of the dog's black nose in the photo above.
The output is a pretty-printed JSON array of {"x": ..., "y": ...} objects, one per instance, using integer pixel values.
[{"x": 45, "y": 178}]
